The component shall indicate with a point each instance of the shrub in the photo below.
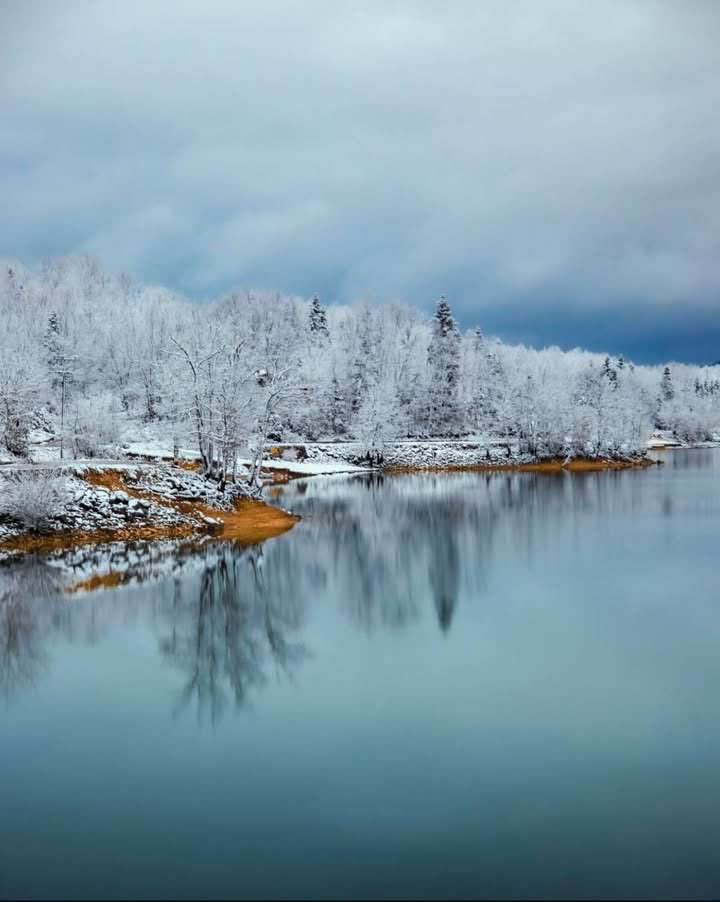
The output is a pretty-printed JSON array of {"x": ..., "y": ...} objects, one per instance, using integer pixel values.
[
  {"x": 15, "y": 434},
  {"x": 33, "y": 498}
]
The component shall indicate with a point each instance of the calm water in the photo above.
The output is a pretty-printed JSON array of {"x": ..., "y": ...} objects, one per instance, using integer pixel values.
[{"x": 451, "y": 685}]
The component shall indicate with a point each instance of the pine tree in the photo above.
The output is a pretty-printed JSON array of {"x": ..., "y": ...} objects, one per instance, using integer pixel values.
[
  {"x": 610, "y": 373},
  {"x": 444, "y": 366},
  {"x": 318, "y": 319},
  {"x": 666, "y": 387}
]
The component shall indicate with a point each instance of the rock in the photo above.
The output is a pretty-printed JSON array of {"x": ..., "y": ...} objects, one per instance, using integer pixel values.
[
  {"x": 135, "y": 509},
  {"x": 119, "y": 497}
]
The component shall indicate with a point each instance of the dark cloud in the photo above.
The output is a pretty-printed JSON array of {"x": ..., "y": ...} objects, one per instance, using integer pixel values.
[{"x": 552, "y": 166}]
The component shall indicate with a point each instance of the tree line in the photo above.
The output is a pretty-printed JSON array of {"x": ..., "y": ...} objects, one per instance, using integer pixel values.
[{"x": 92, "y": 357}]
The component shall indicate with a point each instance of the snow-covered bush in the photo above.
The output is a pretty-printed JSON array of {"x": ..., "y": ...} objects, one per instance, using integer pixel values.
[
  {"x": 15, "y": 433},
  {"x": 33, "y": 498}
]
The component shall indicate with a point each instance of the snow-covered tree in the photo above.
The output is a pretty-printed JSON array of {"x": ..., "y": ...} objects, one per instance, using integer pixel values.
[
  {"x": 318, "y": 320},
  {"x": 444, "y": 415},
  {"x": 667, "y": 392},
  {"x": 143, "y": 360}
]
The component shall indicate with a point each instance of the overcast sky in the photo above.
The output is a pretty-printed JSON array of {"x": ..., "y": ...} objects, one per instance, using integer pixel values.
[{"x": 553, "y": 167}]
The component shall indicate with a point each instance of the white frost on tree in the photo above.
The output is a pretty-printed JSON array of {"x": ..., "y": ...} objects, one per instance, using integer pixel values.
[{"x": 229, "y": 376}]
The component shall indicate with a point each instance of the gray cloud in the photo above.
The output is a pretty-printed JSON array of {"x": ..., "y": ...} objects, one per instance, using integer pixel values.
[{"x": 552, "y": 166}]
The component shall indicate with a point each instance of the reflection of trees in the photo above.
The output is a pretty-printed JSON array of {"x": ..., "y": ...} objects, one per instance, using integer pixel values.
[
  {"x": 444, "y": 578},
  {"x": 386, "y": 550},
  {"x": 224, "y": 630},
  {"x": 228, "y": 623},
  {"x": 21, "y": 656},
  {"x": 26, "y": 591},
  {"x": 382, "y": 547}
]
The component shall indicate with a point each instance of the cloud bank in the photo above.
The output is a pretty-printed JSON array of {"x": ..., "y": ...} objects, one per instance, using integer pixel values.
[{"x": 553, "y": 167}]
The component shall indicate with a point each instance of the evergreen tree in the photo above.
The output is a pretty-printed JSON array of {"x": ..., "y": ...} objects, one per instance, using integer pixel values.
[
  {"x": 318, "y": 319},
  {"x": 667, "y": 392},
  {"x": 444, "y": 368},
  {"x": 610, "y": 373}
]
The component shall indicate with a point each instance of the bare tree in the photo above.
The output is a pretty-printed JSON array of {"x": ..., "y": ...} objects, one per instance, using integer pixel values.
[{"x": 217, "y": 377}]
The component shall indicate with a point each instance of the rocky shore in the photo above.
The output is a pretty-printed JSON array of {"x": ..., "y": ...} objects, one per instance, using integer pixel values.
[{"x": 46, "y": 508}]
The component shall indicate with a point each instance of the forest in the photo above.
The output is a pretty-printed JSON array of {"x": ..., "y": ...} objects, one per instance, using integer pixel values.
[{"x": 93, "y": 359}]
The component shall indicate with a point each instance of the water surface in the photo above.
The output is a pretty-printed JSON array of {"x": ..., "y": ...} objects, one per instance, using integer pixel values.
[{"x": 434, "y": 685}]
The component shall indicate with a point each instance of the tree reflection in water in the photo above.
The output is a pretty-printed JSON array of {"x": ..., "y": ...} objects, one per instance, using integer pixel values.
[
  {"x": 224, "y": 632},
  {"x": 21, "y": 654},
  {"x": 386, "y": 550},
  {"x": 218, "y": 623},
  {"x": 27, "y": 617}
]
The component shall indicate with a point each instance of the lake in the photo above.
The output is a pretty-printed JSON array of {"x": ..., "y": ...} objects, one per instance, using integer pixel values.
[{"x": 442, "y": 685}]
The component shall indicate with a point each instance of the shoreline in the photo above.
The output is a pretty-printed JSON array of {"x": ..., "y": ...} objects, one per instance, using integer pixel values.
[
  {"x": 251, "y": 522},
  {"x": 554, "y": 465},
  {"x": 245, "y": 520},
  {"x": 149, "y": 512}
]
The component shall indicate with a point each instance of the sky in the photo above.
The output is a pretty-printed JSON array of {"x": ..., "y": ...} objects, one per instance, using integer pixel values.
[{"x": 552, "y": 167}]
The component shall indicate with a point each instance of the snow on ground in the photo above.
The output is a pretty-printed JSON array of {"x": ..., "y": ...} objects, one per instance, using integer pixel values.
[
  {"x": 321, "y": 458},
  {"x": 64, "y": 501},
  {"x": 664, "y": 438},
  {"x": 416, "y": 453},
  {"x": 59, "y": 499},
  {"x": 158, "y": 449},
  {"x": 657, "y": 442},
  {"x": 309, "y": 468}
]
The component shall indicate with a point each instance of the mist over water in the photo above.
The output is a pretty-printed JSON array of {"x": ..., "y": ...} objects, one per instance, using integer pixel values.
[{"x": 435, "y": 685}]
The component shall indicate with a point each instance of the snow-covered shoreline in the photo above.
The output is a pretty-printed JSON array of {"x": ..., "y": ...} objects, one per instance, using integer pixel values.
[
  {"x": 449, "y": 454},
  {"x": 326, "y": 458},
  {"x": 45, "y": 505},
  {"x": 110, "y": 500},
  {"x": 663, "y": 444}
]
